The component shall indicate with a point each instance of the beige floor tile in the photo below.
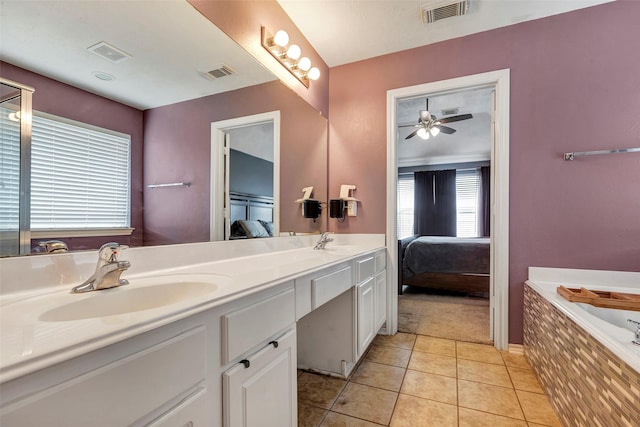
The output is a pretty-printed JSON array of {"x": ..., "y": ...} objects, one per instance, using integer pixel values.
[
  {"x": 310, "y": 416},
  {"x": 471, "y": 418},
  {"x": 367, "y": 403},
  {"x": 516, "y": 360},
  {"x": 489, "y": 398},
  {"x": 378, "y": 375},
  {"x": 537, "y": 409},
  {"x": 478, "y": 352},
  {"x": 430, "y": 386},
  {"x": 400, "y": 340},
  {"x": 524, "y": 379},
  {"x": 433, "y": 363},
  {"x": 416, "y": 412},
  {"x": 481, "y": 372},
  {"x": 389, "y": 355},
  {"x": 440, "y": 346},
  {"x": 334, "y": 419},
  {"x": 319, "y": 390}
]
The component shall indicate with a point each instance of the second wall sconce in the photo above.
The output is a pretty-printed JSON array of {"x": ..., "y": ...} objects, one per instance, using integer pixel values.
[{"x": 289, "y": 55}]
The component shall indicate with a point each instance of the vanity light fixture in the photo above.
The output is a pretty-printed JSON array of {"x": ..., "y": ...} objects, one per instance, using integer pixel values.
[{"x": 289, "y": 56}]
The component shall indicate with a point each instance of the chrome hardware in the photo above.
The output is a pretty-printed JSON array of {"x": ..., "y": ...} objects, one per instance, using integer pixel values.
[
  {"x": 573, "y": 155},
  {"x": 324, "y": 239},
  {"x": 108, "y": 270},
  {"x": 637, "y": 331},
  {"x": 53, "y": 246}
]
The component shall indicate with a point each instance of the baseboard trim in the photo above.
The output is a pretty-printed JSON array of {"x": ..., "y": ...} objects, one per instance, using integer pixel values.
[{"x": 516, "y": 349}]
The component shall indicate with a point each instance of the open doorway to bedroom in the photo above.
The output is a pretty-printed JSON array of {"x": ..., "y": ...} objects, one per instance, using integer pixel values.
[
  {"x": 443, "y": 214},
  {"x": 499, "y": 81}
]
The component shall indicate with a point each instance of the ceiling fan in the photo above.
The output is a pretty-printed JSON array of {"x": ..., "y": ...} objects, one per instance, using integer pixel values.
[{"x": 428, "y": 124}]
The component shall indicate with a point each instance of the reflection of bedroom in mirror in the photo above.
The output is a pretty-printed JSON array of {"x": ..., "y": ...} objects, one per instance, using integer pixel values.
[{"x": 443, "y": 215}]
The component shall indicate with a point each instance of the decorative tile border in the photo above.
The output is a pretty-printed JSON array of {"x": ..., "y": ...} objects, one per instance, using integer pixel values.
[{"x": 586, "y": 383}]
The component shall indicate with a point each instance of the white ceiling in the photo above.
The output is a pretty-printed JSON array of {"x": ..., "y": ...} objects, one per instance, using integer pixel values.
[
  {"x": 171, "y": 44},
  {"x": 255, "y": 140},
  {"x": 344, "y": 31}
]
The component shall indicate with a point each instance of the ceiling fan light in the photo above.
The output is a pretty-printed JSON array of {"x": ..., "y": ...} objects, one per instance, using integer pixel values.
[
  {"x": 281, "y": 38},
  {"x": 422, "y": 133},
  {"x": 434, "y": 131}
]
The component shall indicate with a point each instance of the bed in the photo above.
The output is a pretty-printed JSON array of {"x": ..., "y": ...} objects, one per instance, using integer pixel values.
[
  {"x": 250, "y": 216},
  {"x": 452, "y": 263}
]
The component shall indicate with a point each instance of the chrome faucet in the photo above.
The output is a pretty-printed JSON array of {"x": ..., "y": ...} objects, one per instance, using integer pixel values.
[
  {"x": 324, "y": 239},
  {"x": 53, "y": 246},
  {"x": 637, "y": 331},
  {"x": 108, "y": 270}
]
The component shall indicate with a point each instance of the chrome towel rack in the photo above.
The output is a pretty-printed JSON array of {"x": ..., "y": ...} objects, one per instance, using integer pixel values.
[
  {"x": 571, "y": 156},
  {"x": 171, "y": 184}
]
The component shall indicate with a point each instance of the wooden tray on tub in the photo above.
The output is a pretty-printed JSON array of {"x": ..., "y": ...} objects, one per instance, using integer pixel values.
[{"x": 607, "y": 299}]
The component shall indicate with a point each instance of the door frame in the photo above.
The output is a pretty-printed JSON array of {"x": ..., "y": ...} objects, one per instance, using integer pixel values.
[
  {"x": 217, "y": 185},
  {"x": 499, "y": 269}
]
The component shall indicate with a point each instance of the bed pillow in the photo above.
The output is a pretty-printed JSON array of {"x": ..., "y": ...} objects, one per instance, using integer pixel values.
[
  {"x": 253, "y": 229},
  {"x": 267, "y": 226}
]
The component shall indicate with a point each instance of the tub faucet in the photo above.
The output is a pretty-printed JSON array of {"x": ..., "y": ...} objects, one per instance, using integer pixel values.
[
  {"x": 108, "y": 270},
  {"x": 637, "y": 332},
  {"x": 324, "y": 239}
]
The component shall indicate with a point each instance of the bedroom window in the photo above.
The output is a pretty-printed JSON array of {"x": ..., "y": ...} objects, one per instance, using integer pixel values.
[
  {"x": 467, "y": 197},
  {"x": 405, "y": 206},
  {"x": 80, "y": 176}
]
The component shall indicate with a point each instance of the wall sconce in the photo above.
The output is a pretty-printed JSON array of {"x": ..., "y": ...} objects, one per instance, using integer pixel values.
[{"x": 289, "y": 55}]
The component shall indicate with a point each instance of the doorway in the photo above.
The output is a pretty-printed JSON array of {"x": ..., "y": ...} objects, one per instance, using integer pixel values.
[
  {"x": 499, "y": 190},
  {"x": 253, "y": 144}
]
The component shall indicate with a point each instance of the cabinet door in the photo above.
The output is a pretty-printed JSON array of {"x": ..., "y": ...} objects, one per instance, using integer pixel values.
[
  {"x": 366, "y": 314},
  {"x": 261, "y": 391},
  {"x": 381, "y": 299}
]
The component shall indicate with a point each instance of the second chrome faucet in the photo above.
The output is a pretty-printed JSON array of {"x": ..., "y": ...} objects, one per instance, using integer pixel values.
[{"x": 108, "y": 270}]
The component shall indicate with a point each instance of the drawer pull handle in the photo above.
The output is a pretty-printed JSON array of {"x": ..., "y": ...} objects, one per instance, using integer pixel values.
[
  {"x": 246, "y": 363},
  {"x": 275, "y": 344}
]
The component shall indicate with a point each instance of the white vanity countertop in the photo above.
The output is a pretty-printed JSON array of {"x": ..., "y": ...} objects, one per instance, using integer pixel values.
[{"x": 30, "y": 340}]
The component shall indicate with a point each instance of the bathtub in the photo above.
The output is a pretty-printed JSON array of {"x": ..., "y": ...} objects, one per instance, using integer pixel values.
[{"x": 583, "y": 355}]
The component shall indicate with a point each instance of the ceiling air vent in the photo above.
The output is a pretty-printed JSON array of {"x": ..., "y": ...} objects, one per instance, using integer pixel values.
[
  {"x": 221, "y": 71},
  {"x": 111, "y": 53},
  {"x": 442, "y": 9}
]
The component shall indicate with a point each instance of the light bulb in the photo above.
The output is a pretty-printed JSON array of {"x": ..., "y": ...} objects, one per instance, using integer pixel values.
[
  {"x": 434, "y": 131},
  {"x": 422, "y": 133},
  {"x": 281, "y": 38},
  {"x": 304, "y": 64},
  {"x": 314, "y": 74},
  {"x": 294, "y": 52},
  {"x": 15, "y": 116}
]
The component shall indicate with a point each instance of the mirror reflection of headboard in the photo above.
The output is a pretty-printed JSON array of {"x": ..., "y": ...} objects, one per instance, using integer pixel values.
[{"x": 249, "y": 207}]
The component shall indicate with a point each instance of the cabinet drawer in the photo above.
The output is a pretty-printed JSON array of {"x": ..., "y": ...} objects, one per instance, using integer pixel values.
[
  {"x": 246, "y": 328},
  {"x": 365, "y": 268},
  {"x": 118, "y": 394},
  {"x": 190, "y": 412},
  {"x": 329, "y": 286},
  {"x": 381, "y": 261}
]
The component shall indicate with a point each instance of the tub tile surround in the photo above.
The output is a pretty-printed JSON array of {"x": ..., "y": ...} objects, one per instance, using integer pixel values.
[
  {"x": 34, "y": 284},
  {"x": 592, "y": 378}
]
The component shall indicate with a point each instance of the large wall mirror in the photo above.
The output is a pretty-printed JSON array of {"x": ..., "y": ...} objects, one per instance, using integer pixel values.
[{"x": 160, "y": 73}]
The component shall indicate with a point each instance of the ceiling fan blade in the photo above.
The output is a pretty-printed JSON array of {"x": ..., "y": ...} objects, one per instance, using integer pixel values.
[
  {"x": 424, "y": 116},
  {"x": 410, "y": 126},
  {"x": 445, "y": 129},
  {"x": 455, "y": 118},
  {"x": 414, "y": 133}
]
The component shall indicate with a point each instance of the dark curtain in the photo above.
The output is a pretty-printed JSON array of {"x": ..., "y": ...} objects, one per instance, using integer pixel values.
[
  {"x": 435, "y": 203},
  {"x": 484, "y": 205}
]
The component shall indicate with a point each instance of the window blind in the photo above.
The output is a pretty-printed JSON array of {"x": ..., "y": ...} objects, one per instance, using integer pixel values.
[
  {"x": 405, "y": 206},
  {"x": 80, "y": 176},
  {"x": 9, "y": 171},
  {"x": 467, "y": 189}
]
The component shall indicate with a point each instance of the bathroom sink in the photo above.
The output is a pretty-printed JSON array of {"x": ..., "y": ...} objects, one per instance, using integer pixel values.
[
  {"x": 339, "y": 249},
  {"x": 140, "y": 294}
]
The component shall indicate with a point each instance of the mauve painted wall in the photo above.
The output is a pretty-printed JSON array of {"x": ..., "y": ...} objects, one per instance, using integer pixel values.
[
  {"x": 575, "y": 86},
  {"x": 178, "y": 148},
  {"x": 241, "y": 20},
  {"x": 62, "y": 100}
]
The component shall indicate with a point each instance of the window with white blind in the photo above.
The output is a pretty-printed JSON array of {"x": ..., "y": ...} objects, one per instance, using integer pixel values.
[
  {"x": 9, "y": 171},
  {"x": 80, "y": 176},
  {"x": 405, "y": 206},
  {"x": 467, "y": 196}
]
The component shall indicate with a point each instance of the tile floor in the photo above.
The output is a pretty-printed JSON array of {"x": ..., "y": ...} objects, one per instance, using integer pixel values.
[{"x": 415, "y": 380}]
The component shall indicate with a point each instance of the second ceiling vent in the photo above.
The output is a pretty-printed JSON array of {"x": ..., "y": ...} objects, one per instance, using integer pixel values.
[{"x": 438, "y": 10}]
